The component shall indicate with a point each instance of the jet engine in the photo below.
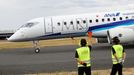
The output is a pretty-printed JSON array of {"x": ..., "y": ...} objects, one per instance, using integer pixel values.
[{"x": 125, "y": 35}]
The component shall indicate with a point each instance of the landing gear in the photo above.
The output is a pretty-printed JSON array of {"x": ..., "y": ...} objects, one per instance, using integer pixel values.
[
  {"x": 36, "y": 46},
  {"x": 37, "y": 50},
  {"x": 72, "y": 38}
]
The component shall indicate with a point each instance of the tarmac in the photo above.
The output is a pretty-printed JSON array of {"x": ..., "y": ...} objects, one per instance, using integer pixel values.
[{"x": 56, "y": 59}]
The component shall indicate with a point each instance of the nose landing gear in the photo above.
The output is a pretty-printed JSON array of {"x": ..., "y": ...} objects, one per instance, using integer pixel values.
[
  {"x": 36, "y": 46},
  {"x": 37, "y": 50}
]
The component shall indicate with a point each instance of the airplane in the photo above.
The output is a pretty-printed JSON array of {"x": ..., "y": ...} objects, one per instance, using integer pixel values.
[{"x": 104, "y": 25}]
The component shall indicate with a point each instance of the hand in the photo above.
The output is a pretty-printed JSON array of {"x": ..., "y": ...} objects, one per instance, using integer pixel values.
[
  {"x": 119, "y": 61},
  {"x": 81, "y": 62},
  {"x": 122, "y": 61},
  {"x": 85, "y": 64}
]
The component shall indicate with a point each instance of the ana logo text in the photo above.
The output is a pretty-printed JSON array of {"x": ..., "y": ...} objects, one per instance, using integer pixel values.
[{"x": 112, "y": 14}]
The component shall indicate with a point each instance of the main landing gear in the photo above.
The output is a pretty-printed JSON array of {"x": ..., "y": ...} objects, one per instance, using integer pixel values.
[{"x": 36, "y": 46}]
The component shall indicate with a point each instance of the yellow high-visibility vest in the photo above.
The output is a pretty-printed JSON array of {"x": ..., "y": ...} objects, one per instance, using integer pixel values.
[
  {"x": 119, "y": 52},
  {"x": 84, "y": 55}
]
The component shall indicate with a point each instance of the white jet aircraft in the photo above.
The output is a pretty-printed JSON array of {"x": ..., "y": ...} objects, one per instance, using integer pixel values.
[{"x": 100, "y": 25}]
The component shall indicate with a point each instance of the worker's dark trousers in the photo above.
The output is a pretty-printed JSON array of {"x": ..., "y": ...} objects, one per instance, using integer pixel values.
[
  {"x": 82, "y": 70},
  {"x": 117, "y": 68}
]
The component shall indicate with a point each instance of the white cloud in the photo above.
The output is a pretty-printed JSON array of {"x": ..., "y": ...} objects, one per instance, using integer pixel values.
[{"x": 16, "y": 12}]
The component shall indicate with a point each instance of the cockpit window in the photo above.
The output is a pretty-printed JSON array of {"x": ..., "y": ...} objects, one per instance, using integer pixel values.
[{"x": 29, "y": 25}]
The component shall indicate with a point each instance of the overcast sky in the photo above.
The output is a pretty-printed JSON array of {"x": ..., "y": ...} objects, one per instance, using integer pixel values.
[{"x": 14, "y": 13}]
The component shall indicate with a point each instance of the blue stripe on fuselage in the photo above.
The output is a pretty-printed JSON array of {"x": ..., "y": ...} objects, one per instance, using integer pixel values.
[
  {"x": 111, "y": 25},
  {"x": 56, "y": 34},
  {"x": 59, "y": 35}
]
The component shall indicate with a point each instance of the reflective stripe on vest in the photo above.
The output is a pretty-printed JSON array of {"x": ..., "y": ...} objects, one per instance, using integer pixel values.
[
  {"x": 119, "y": 51},
  {"x": 84, "y": 55}
]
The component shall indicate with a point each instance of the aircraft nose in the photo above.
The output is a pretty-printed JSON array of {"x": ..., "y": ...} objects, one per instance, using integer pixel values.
[
  {"x": 15, "y": 37},
  {"x": 12, "y": 38}
]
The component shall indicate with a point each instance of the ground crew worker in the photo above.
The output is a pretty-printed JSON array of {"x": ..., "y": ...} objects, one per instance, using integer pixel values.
[
  {"x": 118, "y": 57},
  {"x": 82, "y": 56}
]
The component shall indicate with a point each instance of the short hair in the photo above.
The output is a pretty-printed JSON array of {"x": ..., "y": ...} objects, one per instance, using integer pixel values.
[
  {"x": 116, "y": 39},
  {"x": 83, "y": 42}
]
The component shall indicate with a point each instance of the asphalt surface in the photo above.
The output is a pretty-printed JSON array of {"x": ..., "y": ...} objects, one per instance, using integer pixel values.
[{"x": 56, "y": 59}]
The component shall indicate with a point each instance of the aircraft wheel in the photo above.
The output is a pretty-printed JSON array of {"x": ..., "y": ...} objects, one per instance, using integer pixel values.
[{"x": 37, "y": 50}]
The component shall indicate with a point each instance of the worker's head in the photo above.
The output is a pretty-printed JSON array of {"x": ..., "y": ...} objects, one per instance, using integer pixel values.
[
  {"x": 83, "y": 42},
  {"x": 116, "y": 40}
]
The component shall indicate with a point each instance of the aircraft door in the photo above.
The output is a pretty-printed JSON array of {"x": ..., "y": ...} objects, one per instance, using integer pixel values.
[
  {"x": 81, "y": 24},
  {"x": 48, "y": 25}
]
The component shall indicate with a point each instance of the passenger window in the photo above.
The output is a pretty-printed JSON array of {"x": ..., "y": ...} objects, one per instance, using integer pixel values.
[
  {"x": 114, "y": 19},
  {"x": 84, "y": 21},
  {"x": 108, "y": 19},
  {"x": 97, "y": 20},
  {"x": 65, "y": 23},
  {"x": 126, "y": 17},
  {"x": 58, "y": 23},
  {"x": 103, "y": 20},
  {"x": 78, "y": 22},
  {"x": 120, "y": 18},
  {"x": 71, "y": 22},
  {"x": 90, "y": 21}
]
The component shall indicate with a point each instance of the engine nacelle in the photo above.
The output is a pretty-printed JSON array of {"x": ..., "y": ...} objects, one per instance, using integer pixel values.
[{"x": 126, "y": 35}]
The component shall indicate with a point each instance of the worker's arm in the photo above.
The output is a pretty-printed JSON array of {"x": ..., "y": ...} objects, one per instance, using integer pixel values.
[
  {"x": 81, "y": 62},
  {"x": 90, "y": 47},
  {"x": 77, "y": 58},
  {"x": 124, "y": 55},
  {"x": 115, "y": 55}
]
